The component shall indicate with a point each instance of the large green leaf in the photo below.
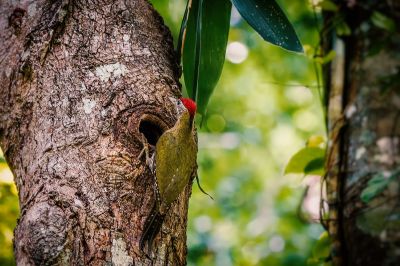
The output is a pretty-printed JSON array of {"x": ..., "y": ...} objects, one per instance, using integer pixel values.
[
  {"x": 204, "y": 48},
  {"x": 268, "y": 19},
  {"x": 308, "y": 160}
]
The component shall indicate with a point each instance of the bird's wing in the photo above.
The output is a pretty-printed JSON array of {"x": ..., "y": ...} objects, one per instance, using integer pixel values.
[{"x": 174, "y": 165}]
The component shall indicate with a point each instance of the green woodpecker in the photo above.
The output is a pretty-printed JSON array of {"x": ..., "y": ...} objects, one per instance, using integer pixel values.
[{"x": 175, "y": 161}]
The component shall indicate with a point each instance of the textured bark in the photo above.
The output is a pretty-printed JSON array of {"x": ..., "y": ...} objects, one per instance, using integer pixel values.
[
  {"x": 364, "y": 125},
  {"x": 79, "y": 81}
]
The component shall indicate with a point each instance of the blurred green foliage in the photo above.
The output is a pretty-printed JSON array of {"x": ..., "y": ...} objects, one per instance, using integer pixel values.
[
  {"x": 9, "y": 211},
  {"x": 266, "y": 105}
]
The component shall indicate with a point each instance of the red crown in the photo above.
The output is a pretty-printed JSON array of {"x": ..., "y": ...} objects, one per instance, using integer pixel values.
[{"x": 190, "y": 105}]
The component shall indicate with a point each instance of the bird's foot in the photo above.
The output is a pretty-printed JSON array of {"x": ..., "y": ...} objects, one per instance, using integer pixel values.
[{"x": 146, "y": 152}]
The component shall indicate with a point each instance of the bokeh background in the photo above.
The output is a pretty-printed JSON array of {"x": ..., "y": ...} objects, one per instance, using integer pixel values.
[{"x": 264, "y": 109}]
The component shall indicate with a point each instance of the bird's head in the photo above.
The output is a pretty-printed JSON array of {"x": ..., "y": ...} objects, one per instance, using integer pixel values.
[{"x": 190, "y": 106}]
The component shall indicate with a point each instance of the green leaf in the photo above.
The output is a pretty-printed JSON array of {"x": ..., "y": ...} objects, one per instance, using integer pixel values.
[
  {"x": 308, "y": 161},
  {"x": 315, "y": 167},
  {"x": 315, "y": 141},
  {"x": 375, "y": 186},
  {"x": 2, "y": 160},
  {"x": 327, "y": 58},
  {"x": 382, "y": 21},
  {"x": 343, "y": 29},
  {"x": 197, "y": 48},
  {"x": 203, "y": 59},
  {"x": 268, "y": 19},
  {"x": 328, "y": 6},
  {"x": 322, "y": 248},
  {"x": 320, "y": 255}
]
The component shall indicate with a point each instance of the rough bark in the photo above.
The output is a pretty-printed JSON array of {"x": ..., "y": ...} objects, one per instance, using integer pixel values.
[
  {"x": 79, "y": 81},
  {"x": 364, "y": 116}
]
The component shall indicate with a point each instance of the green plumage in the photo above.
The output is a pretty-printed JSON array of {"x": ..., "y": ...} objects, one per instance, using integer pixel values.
[
  {"x": 176, "y": 153},
  {"x": 175, "y": 159}
]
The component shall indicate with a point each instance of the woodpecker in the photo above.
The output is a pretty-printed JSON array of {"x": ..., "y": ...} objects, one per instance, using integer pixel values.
[{"x": 175, "y": 161}]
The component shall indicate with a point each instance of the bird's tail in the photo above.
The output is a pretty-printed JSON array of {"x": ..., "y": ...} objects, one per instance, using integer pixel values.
[{"x": 151, "y": 228}]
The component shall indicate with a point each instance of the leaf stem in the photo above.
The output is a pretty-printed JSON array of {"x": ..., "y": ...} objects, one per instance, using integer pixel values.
[
  {"x": 196, "y": 75},
  {"x": 182, "y": 31}
]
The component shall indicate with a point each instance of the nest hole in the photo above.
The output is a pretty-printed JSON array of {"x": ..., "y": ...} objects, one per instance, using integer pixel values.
[{"x": 152, "y": 128}]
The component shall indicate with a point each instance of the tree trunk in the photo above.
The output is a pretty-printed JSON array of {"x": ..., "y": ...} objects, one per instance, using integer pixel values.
[
  {"x": 81, "y": 80},
  {"x": 364, "y": 130}
]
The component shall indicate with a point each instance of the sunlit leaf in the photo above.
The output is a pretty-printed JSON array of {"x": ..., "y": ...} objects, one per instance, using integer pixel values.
[
  {"x": 214, "y": 24},
  {"x": 268, "y": 19},
  {"x": 382, "y": 21},
  {"x": 327, "y": 58},
  {"x": 315, "y": 141},
  {"x": 328, "y": 5},
  {"x": 308, "y": 161}
]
